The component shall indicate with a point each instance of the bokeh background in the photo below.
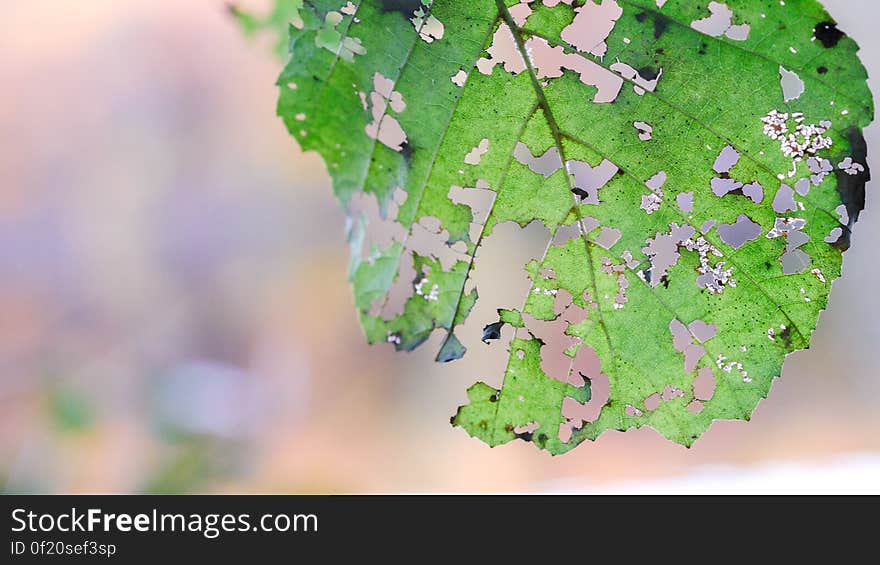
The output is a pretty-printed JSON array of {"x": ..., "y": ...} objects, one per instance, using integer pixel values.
[{"x": 175, "y": 316}]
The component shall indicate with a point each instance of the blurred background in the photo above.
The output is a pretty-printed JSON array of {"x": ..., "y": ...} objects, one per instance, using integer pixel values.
[{"x": 175, "y": 316}]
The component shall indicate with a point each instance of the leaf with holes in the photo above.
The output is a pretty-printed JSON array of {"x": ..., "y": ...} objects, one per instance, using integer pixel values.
[{"x": 698, "y": 167}]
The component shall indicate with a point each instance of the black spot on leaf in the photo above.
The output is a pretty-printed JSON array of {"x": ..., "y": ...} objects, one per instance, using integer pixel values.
[
  {"x": 822, "y": 70},
  {"x": 661, "y": 22},
  {"x": 648, "y": 73},
  {"x": 843, "y": 242},
  {"x": 407, "y": 150},
  {"x": 540, "y": 341},
  {"x": 492, "y": 331},
  {"x": 785, "y": 336},
  {"x": 405, "y": 7},
  {"x": 852, "y": 187},
  {"x": 828, "y": 34}
]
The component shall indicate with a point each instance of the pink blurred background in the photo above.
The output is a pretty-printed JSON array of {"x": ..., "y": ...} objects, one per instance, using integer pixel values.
[{"x": 175, "y": 316}]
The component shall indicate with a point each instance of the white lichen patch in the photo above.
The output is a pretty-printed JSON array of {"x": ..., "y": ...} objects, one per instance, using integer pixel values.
[
  {"x": 431, "y": 295},
  {"x": 619, "y": 272},
  {"x": 804, "y": 295},
  {"x": 545, "y": 291},
  {"x": 427, "y": 239},
  {"x": 786, "y": 226},
  {"x": 632, "y": 411},
  {"x": 714, "y": 278},
  {"x": 669, "y": 392},
  {"x": 651, "y": 202},
  {"x": 729, "y": 366},
  {"x": 802, "y": 142}
]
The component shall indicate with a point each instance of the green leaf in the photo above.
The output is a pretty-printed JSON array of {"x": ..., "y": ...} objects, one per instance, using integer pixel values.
[{"x": 698, "y": 168}]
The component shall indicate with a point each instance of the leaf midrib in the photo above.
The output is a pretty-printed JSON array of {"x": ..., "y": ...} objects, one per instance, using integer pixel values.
[{"x": 557, "y": 139}]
